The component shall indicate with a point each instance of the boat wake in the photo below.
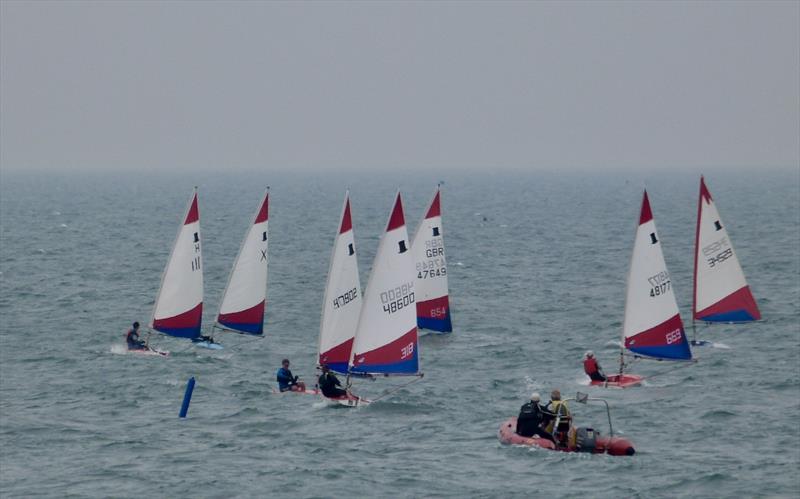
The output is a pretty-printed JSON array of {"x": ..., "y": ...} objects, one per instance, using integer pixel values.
[{"x": 118, "y": 349}]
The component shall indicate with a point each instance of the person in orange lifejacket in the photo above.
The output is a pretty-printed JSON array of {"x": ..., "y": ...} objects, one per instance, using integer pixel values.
[{"x": 592, "y": 367}]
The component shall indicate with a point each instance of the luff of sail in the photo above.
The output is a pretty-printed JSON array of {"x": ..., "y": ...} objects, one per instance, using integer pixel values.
[
  {"x": 342, "y": 303},
  {"x": 178, "y": 310},
  {"x": 433, "y": 304},
  {"x": 243, "y": 302},
  {"x": 721, "y": 293},
  {"x": 652, "y": 325},
  {"x": 386, "y": 336}
]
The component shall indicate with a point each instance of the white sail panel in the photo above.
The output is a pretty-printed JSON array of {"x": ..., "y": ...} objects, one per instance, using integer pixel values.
[
  {"x": 179, "y": 306},
  {"x": 342, "y": 303},
  {"x": 721, "y": 293},
  {"x": 244, "y": 299},
  {"x": 652, "y": 323},
  {"x": 386, "y": 336},
  {"x": 431, "y": 290}
]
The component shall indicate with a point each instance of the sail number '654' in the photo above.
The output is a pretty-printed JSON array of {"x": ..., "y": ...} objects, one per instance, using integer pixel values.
[{"x": 398, "y": 298}]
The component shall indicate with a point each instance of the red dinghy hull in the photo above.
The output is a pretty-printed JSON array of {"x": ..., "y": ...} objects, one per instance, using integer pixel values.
[
  {"x": 615, "y": 446},
  {"x": 307, "y": 391},
  {"x": 619, "y": 381},
  {"x": 348, "y": 400}
]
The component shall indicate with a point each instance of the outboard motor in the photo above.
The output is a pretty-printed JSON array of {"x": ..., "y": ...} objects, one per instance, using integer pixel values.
[{"x": 586, "y": 439}]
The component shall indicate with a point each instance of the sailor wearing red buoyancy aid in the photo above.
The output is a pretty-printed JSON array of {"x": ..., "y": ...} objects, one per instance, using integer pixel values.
[{"x": 592, "y": 367}]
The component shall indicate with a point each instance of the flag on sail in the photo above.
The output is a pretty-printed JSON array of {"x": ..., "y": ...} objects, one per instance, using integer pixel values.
[
  {"x": 245, "y": 297},
  {"x": 433, "y": 305},
  {"x": 721, "y": 293},
  {"x": 653, "y": 325},
  {"x": 178, "y": 310},
  {"x": 386, "y": 336},
  {"x": 342, "y": 304}
]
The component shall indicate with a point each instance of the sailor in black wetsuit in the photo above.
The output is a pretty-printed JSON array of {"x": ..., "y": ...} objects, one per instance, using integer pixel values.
[
  {"x": 530, "y": 418},
  {"x": 132, "y": 338},
  {"x": 328, "y": 383}
]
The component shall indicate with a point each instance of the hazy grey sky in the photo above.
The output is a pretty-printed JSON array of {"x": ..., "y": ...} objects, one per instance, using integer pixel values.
[{"x": 321, "y": 85}]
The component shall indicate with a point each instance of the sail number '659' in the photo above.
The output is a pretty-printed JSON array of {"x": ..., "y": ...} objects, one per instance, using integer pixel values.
[
  {"x": 673, "y": 336},
  {"x": 398, "y": 298}
]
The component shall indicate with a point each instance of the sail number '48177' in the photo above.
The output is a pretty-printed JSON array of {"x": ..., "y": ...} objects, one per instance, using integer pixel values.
[{"x": 660, "y": 283}]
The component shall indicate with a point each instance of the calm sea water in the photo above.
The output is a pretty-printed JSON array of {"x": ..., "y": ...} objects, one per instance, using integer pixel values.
[{"x": 538, "y": 266}]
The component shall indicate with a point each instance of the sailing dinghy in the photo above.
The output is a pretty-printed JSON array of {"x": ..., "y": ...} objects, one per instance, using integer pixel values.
[
  {"x": 178, "y": 310},
  {"x": 385, "y": 341},
  {"x": 721, "y": 293},
  {"x": 243, "y": 302},
  {"x": 433, "y": 305},
  {"x": 652, "y": 327}
]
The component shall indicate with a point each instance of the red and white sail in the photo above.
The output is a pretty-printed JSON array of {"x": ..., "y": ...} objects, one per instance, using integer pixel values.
[
  {"x": 652, "y": 325},
  {"x": 721, "y": 293},
  {"x": 386, "y": 336},
  {"x": 342, "y": 304},
  {"x": 178, "y": 310},
  {"x": 245, "y": 297},
  {"x": 433, "y": 304}
]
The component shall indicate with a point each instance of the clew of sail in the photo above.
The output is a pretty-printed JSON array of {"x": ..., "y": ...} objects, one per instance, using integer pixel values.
[
  {"x": 178, "y": 309},
  {"x": 386, "y": 336},
  {"x": 652, "y": 325},
  {"x": 721, "y": 293},
  {"x": 342, "y": 302},
  {"x": 430, "y": 286},
  {"x": 242, "y": 307}
]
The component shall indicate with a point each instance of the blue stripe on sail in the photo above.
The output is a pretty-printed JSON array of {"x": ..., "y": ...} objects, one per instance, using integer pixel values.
[
  {"x": 439, "y": 325},
  {"x": 255, "y": 329},
  {"x": 680, "y": 351},
  {"x": 182, "y": 332},
  {"x": 410, "y": 366},
  {"x": 339, "y": 367},
  {"x": 740, "y": 315}
]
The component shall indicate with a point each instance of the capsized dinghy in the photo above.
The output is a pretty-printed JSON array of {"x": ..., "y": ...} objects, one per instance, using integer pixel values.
[{"x": 571, "y": 439}]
